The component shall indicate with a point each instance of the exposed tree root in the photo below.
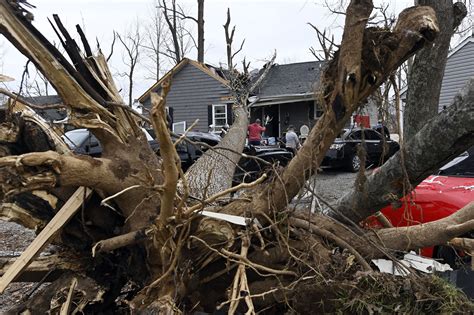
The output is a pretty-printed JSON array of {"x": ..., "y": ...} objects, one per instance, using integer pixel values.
[{"x": 156, "y": 252}]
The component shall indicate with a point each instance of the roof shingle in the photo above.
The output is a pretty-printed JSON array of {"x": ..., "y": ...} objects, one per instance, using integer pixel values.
[{"x": 290, "y": 79}]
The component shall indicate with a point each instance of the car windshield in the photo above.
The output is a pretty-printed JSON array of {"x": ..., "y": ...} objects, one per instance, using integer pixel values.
[
  {"x": 462, "y": 166},
  {"x": 75, "y": 138}
]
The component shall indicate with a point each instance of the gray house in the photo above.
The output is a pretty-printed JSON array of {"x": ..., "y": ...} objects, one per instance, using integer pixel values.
[
  {"x": 197, "y": 92},
  {"x": 459, "y": 69},
  {"x": 285, "y": 97},
  {"x": 201, "y": 92}
]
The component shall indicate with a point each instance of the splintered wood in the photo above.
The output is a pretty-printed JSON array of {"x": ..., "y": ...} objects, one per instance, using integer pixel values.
[{"x": 59, "y": 220}]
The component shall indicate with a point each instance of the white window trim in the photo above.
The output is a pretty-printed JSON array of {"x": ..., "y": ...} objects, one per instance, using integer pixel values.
[
  {"x": 179, "y": 123},
  {"x": 214, "y": 126}
]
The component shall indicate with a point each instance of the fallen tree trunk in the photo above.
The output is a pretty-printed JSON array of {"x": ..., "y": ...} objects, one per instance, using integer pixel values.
[{"x": 219, "y": 164}]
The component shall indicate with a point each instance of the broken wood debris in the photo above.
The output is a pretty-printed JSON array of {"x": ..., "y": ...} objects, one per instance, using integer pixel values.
[{"x": 59, "y": 221}]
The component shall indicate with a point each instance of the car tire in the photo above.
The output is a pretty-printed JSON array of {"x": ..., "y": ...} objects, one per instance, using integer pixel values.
[{"x": 354, "y": 163}]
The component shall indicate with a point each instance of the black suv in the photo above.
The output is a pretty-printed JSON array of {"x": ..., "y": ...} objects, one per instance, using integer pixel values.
[{"x": 343, "y": 152}]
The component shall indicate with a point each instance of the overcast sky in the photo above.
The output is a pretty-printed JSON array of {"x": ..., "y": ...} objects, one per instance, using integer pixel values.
[{"x": 266, "y": 25}]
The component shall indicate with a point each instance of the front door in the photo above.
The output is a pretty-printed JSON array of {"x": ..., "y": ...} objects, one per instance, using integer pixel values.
[{"x": 272, "y": 126}]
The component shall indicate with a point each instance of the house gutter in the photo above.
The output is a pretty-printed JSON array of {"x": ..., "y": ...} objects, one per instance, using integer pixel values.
[{"x": 282, "y": 99}]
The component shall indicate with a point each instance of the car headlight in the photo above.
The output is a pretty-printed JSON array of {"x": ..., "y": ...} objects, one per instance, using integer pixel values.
[{"x": 336, "y": 146}]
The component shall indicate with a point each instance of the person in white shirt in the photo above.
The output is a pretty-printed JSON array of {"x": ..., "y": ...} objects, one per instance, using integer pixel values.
[{"x": 292, "y": 140}]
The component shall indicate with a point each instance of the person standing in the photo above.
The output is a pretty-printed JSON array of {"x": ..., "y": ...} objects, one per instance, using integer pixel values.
[
  {"x": 292, "y": 140},
  {"x": 255, "y": 132},
  {"x": 381, "y": 128}
]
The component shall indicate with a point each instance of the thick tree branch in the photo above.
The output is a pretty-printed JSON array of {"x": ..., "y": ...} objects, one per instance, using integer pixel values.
[
  {"x": 354, "y": 81},
  {"x": 428, "y": 234},
  {"x": 40, "y": 170},
  {"x": 168, "y": 153},
  {"x": 427, "y": 72},
  {"x": 58, "y": 71}
]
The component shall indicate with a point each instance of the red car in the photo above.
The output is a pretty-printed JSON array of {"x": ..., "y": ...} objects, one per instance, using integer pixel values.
[{"x": 436, "y": 197}]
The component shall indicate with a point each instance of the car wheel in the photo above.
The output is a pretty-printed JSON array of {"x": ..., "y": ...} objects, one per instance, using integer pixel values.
[{"x": 354, "y": 163}]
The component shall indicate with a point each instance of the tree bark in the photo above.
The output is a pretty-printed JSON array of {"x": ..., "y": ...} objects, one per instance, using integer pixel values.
[
  {"x": 428, "y": 234},
  {"x": 426, "y": 75},
  {"x": 214, "y": 171},
  {"x": 200, "y": 25}
]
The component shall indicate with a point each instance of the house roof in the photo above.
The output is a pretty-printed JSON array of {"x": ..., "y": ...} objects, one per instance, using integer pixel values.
[
  {"x": 44, "y": 100},
  {"x": 50, "y": 114},
  {"x": 290, "y": 79},
  {"x": 178, "y": 68}
]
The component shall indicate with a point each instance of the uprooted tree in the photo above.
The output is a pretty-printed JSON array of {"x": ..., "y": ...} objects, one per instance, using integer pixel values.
[{"x": 140, "y": 242}]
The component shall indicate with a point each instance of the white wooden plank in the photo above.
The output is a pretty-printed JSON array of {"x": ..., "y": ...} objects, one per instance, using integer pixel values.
[{"x": 57, "y": 222}]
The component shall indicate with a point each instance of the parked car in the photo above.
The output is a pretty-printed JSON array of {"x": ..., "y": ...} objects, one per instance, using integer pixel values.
[
  {"x": 250, "y": 169},
  {"x": 82, "y": 141},
  {"x": 343, "y": 152},
  {"x": 438, "y": 196}
]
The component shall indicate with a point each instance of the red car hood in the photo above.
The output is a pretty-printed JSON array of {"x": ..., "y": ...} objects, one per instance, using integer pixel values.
[{"x": 433, "y": 199}]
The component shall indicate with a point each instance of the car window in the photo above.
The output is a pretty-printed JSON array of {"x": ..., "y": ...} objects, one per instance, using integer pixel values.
[
  {"x": 462, "y": 165},
  {"x": 356, "y": 135},
  {"x": 371, "y": 135}
]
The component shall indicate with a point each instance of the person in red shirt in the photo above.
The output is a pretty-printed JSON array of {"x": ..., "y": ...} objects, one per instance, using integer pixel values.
[{"x": 255, "y": 132}]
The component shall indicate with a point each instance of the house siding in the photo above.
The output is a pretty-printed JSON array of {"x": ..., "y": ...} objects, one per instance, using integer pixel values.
[
  {"x": 192, "y": 91},
  {"x": 459, "y": 69}
]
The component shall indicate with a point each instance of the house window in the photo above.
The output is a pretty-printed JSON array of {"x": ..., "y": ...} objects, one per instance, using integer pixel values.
[
  {"x": 219, "y": 116},
  {"x": 179, "y": 127}
]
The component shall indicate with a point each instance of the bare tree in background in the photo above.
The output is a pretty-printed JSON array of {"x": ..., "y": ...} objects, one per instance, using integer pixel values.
[
  {"x": 36, "y": 84},
  {"x": 200, "y": 25},
  {"x": 229, "y": 39},
  {"x": 156, "y": 34},
  {"x": 181, "y": 36},
  {"x": 171, "y": 18},
  {"x": 131, "y": 41}
]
